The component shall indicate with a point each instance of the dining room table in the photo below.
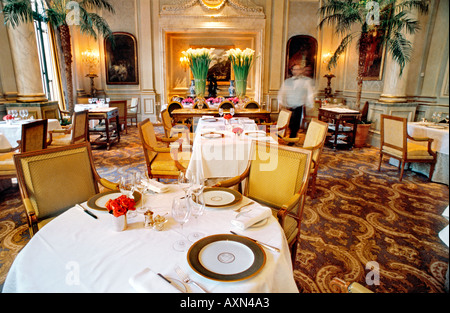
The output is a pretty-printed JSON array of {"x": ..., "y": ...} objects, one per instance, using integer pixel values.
[
  {"x": 190, "y": 113},
  {"x": 83, "y": 253},
  {"x": 10, "y": 133},
  {"x": 440, "y": 135},
  {"x": 219, "y": 153}
]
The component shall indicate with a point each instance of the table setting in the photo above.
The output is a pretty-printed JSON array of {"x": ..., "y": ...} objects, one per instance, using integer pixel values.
[{"x": 232, "y": 244}]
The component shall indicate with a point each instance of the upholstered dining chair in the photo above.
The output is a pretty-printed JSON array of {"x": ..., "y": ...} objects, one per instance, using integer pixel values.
[
  {"x": 121, "y": 105},
  {"x": 132, "y": 111},
  {"x": 284, "y": 170},
  {"x": 315, "y": 140},
  {"x": 174, "y": 105},
  {"x": 279, "y": 129},
  {"x": 162, "y": 162},
  {"x": 226, "y": 105},
  {"x": 77, "y": 133},
  {"x": 34, "y": 137},
  {"x": 174, "y": 132},
  {"x": 54, "y": 180},
  {"x": 396, "y": 143}
]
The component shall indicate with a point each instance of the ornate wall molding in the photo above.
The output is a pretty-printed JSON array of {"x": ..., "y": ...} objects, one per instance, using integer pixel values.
[{"x": 188, "y": 6}]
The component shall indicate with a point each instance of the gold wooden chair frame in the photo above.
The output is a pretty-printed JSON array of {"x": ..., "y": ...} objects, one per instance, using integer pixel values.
[
  {"x": 54, "y": 180},
  {"x": 76, "y": 133},
  {"x": 161, "y": 162},
  {"x": 397, "y": 144}
]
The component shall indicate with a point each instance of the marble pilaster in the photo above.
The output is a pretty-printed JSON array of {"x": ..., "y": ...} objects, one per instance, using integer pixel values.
[{"x": 25, "y": 59}]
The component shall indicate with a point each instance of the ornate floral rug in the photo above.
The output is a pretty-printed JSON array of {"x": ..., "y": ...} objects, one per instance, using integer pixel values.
[{"x": 360, "y": 217}]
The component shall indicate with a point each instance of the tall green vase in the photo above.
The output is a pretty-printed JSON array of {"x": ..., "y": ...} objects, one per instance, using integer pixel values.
[
  {"x": 200, "y": 87},
  {"x": 241, "y": 88}
]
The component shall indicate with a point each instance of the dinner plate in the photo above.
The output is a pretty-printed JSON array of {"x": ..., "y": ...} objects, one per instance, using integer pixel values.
[
  {"x": 436, "y": 127},
  {"x": 256, "y": 134},
  {"x": 98, "y": 202},
  {"x": 213, "y": 135},
  {"x": 226, "y": 258},
  {"x": 221, "y": 197}
]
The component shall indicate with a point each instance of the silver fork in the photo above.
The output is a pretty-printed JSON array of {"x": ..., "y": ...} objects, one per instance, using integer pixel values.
[{"x": 185, "y": 278}]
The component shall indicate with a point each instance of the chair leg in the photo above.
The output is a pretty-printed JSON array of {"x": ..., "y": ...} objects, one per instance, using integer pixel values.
[
  {"x": 381, "y": 160},
  {"x": 402, "y": 169},
  {"x": 432, "y": 166}
]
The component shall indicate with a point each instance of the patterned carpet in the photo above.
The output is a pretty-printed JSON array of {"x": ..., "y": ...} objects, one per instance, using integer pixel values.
[{"x": 359, "y": 216}]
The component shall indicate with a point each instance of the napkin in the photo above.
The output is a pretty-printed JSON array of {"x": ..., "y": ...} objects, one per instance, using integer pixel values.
[
  {"x": 257, "y": 214},
  {"x": 148, "y": 281},
  {"x": 155, "y": 186}
]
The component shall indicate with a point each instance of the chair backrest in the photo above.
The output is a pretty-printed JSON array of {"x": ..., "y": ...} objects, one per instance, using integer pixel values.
[
  {"x": 133, "y": 106},
  {"x": 34, "y": 136},
  {"x": 197, "y": 101},
  {"x": 227, "y": 105},
  {"x": 148, "y": 139},
  {"x": 277, "y": 168},
  {"x": 121, "y": 105},
  {"x": 174, "y": 105},
  {"x": 284, "y": 117},
  {"x": 393, "y": 132},
  {"x": 252, "y": 105},
  {"x": 79, "y": 127},
  {"x": 315, "y": 137},
  {"x": 54, "y": 180},
  {"x": 167, "y": 122}
]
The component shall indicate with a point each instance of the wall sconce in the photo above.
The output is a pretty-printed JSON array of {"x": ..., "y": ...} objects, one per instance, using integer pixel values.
[
  {"x": 91, "y": 59},
  {"x": 184, "y": 63}
]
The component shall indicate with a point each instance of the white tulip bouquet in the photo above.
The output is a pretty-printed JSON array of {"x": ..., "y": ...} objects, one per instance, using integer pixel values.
[
  {"x": 199, "y": 62},
  {"x": 241, "y": 61}
]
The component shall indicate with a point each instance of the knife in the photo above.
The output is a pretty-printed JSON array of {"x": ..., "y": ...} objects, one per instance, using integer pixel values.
[
  {"x": 174, "y": 285},
  {"x": 86, "y": 211},
  {"x": 259, "y": 242}
]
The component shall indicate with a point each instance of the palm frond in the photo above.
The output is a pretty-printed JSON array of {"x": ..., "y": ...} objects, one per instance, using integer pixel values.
[
  {"x": 17, "y": 12},
  {"x": 340, "y": 14},
  {"x": 346, "y": 41},
  {"x": 400, "y": 49},
  {"x": 100, "y": 4}
]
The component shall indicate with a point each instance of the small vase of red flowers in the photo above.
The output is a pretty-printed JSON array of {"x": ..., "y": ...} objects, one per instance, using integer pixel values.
[{"x": 119, "y": 208}]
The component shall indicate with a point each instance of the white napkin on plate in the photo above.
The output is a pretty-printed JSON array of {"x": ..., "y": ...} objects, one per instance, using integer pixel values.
[
  {"x": 155, "y": 185},
  {"x": 257, "y": 214},
  {"x": 148, "y": 281}
]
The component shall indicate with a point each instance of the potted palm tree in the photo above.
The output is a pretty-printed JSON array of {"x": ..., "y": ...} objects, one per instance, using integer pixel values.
[
  {"x": 61, "y": 14},
  {"x": 372, "y": 22}
]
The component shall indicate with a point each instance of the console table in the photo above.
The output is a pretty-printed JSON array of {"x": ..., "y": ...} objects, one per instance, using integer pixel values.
[
  {"x": 109, "y": 133},
  {"x": 342, "y": 124}
]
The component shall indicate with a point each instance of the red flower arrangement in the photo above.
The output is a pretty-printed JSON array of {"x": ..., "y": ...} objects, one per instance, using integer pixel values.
[
  {"x": 235, "y": 100},
  {"x": 120, "y": 206},
  {"x": 228, "y": 116},
  {"x": 8, "y": 117},
  {"x": 238, "y": 130}
]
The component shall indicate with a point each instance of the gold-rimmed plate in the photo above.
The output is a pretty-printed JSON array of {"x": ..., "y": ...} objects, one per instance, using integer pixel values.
[
  {"x": 213, "y": 135},
  {"x": 221, "y": 197},
  {"x": 226, "y": 258},
  {"x": 98, "y": 202}
]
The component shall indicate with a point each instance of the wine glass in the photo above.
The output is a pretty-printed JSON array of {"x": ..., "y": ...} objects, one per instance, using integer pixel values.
[
  {"x": 434, "y": 118},
  {"x": 221, "y": 112},
  {"x": 181, "y": 213},
  {"x": 232, "y": 111},
  {"x": 141, "y": 188},
  {"x": 197, "y": 205},
  {"x": 126, "y": 187}
]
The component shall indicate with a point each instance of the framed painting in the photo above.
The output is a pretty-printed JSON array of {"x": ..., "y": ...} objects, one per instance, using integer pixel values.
[
  {"x": 220, "y": 67},
  {"x": 373, "y": 60},
  {"x": 301, "y": 50},
  {"x": 121, "y": 60}
]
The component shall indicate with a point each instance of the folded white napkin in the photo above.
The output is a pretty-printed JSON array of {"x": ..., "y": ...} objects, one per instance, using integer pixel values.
[
  {"x": 148, "y": 281},
  {"x": 155, "y": 185},
  {"x": 257, "y": 214}
]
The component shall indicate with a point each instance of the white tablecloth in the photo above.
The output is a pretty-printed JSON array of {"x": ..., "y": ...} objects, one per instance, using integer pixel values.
[
  {"x": 222, "y": 157},
  {"x": 13, "y": 132},
  {"x": 76, "y": 253}
]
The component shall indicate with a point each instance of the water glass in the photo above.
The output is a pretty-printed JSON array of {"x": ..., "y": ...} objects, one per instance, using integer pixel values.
[
  {"x": 197, "y": 204},
  {"x": 181, "y": 213}
]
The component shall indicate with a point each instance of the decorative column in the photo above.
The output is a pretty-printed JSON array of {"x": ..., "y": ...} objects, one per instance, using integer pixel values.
[
  {"x": 394, "y": 88},
  {"x": 25, "y": 57}
]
